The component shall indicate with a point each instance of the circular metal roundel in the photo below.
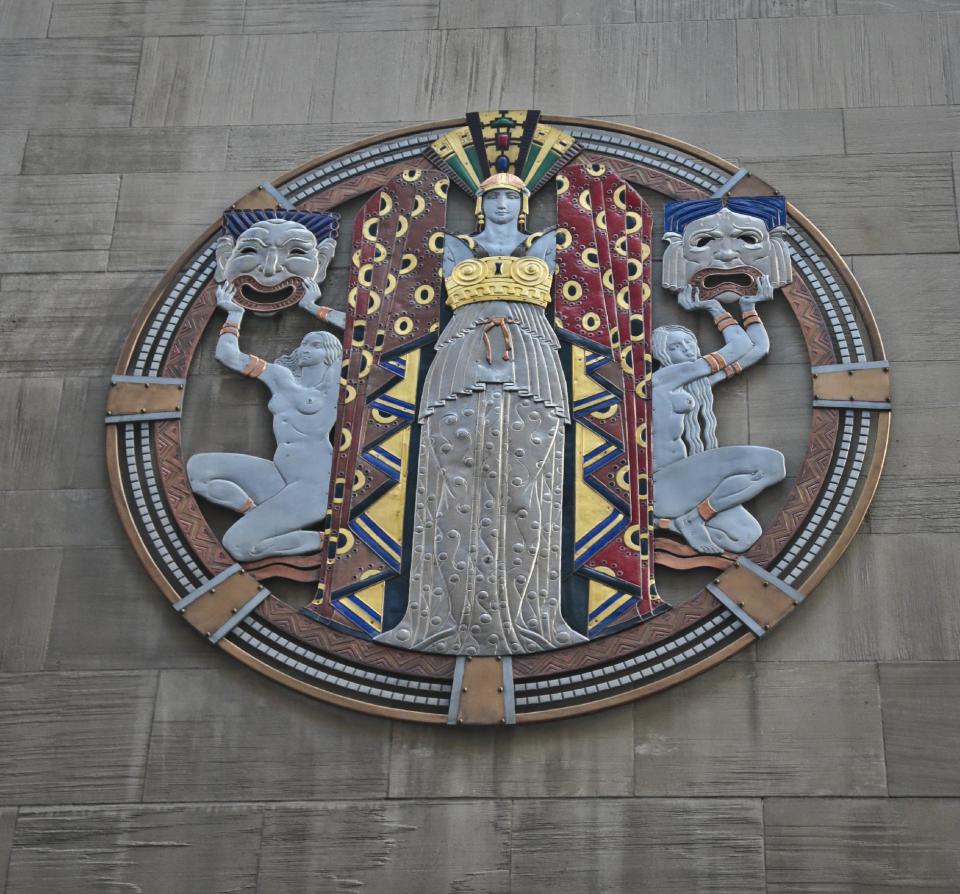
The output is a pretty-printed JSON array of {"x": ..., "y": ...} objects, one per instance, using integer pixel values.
[{"x": 401, "y": 291}]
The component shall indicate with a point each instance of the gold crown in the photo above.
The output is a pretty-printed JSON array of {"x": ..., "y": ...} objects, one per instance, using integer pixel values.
[{"x": 499, "y": 278}]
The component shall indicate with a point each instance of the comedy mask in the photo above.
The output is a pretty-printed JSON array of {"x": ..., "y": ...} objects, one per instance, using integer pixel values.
[
  {"x": 721, "y": 247},
  {"x": 267, "y": 255}
]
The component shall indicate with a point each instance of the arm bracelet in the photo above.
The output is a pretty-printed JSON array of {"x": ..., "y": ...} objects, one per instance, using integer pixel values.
[
  {"x": 734, "y": 369},
  {"x": 715, "y": 361},
  {"x": 750, "y": 318},
  {"x": 255, "y": 368},
  {"x": 725, "y": 319}
]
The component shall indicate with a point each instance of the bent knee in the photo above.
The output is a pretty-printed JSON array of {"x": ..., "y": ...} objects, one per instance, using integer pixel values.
[
  {"x": 199, "y": 469},
  {"x": 239, "y": 545},
  {"x": 773, "y": 465}
]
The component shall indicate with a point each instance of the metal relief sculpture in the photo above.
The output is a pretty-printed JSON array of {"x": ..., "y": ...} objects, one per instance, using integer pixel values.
[
  {"x": 481, "y": 476},
  {"x": 719, "y": 251},
  {"x": 485, "y": 563},
  {"x": 279, "y": 259}
]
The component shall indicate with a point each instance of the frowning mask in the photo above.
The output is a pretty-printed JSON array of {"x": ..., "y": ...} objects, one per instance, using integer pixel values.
[{"x": 724, "y": 254}]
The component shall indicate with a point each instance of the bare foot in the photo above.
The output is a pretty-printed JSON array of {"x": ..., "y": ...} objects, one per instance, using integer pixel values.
[{"x": 695, "y": 531}]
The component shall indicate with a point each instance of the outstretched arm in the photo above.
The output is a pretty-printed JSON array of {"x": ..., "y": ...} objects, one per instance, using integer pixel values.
[
  {"x": 228, "y": 345},
  {"x": 752, "y": 329},
  {"x": 309, "y": 303}
]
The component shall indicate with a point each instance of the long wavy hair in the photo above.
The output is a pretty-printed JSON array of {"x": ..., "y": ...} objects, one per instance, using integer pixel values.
[
  {"x": 696, "y": 436},
  {"x": 332, "y": 351}
]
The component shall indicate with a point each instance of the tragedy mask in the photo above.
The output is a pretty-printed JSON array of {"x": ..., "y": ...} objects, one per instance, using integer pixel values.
[{"x": 723, "y": 247}]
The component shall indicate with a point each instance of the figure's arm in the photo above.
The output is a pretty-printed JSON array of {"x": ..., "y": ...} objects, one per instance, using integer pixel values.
[
  {"x": 228, "y": 345},
  {"x": 455, "y": 250},
  {"x": 752, "y": 328},
  {"x": 309, "y": 303},
  {"x": 753, "y": 325},
  {"x": 736, "y": 342}
]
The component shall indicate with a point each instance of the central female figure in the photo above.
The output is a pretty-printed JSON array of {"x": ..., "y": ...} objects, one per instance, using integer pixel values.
[{"x": 485, "y": 569}]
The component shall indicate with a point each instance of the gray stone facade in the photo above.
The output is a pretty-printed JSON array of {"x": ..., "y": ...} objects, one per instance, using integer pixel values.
[{"x": 135, "y": 756}]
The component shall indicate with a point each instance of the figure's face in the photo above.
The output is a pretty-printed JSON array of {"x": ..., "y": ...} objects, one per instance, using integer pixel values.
[
  {"x": 502, "y": 205},
  {"x": 272, "y": 251},
  {"x": 317, "y": 348},
  {"x": 681, "y": 347}
]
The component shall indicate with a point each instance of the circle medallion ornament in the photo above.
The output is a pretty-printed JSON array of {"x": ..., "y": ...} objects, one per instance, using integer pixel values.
[{"x": 503, "y": 485}]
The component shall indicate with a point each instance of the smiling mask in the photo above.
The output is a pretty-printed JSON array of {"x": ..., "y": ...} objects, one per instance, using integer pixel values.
[{"x": 267, "y": 256}]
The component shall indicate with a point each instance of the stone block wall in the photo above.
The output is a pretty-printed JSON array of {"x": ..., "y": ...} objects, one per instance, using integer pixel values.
[{"x": 134, "y": 756}]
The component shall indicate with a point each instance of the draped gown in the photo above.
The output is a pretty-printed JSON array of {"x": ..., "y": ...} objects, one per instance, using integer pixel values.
[{"x": 485, "y": 566}]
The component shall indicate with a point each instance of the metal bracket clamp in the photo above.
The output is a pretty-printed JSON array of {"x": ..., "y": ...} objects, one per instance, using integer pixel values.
[
  {"x": 724, "y": 188},
  {"x": 144, "y": 399},
  {"x": 852, "y": 386},
  {"x": 282, "y": 200},
  {"x": 265, "y": 197},
  {"x": 758, "y": 598},
  {"x": 222, "y": 602},
  {"x": 482, "y": 691}
]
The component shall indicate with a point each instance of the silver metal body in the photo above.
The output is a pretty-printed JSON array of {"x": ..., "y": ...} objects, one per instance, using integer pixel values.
[{"x": 485, "y": 567}]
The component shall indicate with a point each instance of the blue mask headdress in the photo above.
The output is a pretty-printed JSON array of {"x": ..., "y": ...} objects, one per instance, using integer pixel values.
[
  {"x": 322, "y": 225},
  {"x": 772, "y": 210}
]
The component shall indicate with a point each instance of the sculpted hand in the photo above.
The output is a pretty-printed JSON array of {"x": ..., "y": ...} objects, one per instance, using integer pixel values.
[
  {"x": 713, "y": 307},
  {"x": 689, "y": 297},
  {"x": 764, "y": 293},
  {"x": 311, "y": 295},
  {"x": 226, "y": 294}
]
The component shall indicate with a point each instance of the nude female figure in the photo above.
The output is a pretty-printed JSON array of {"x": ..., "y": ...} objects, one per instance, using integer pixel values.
[
  {"x": 700, "y": 488},
  {"x": 281, "y": 498}
]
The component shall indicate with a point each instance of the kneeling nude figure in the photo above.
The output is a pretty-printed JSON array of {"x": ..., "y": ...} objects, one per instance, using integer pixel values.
[
  {"x": 279, "y": 499},
  {"x": 699, "y": 488}
]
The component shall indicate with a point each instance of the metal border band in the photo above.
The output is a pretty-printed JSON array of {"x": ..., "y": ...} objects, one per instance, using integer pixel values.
[
  {"x": 194, "y": 595},
  {"x": 456, "y": 689},
  {"x": 854, "y": 404},
  {"x": 771, "y": 579},
  {"x": 146, "y": 380},
  {"x": 238, "y": 616},
  {"x": 509, "y": 701},
  {"x": 275, "y": 193},
  {"x": 732, "y": 605},
  {"x": 850, "y": 367},
  {"x": 142, "y": 417},
  {"x": 730, "y": 184}
]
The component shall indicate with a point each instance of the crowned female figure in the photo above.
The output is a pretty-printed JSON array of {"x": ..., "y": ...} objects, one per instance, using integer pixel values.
[{"x": 485, "y": 568}]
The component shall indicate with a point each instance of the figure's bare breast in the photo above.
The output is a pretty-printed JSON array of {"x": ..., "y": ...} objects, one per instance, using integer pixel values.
[{"x": 668, "y": 446}]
